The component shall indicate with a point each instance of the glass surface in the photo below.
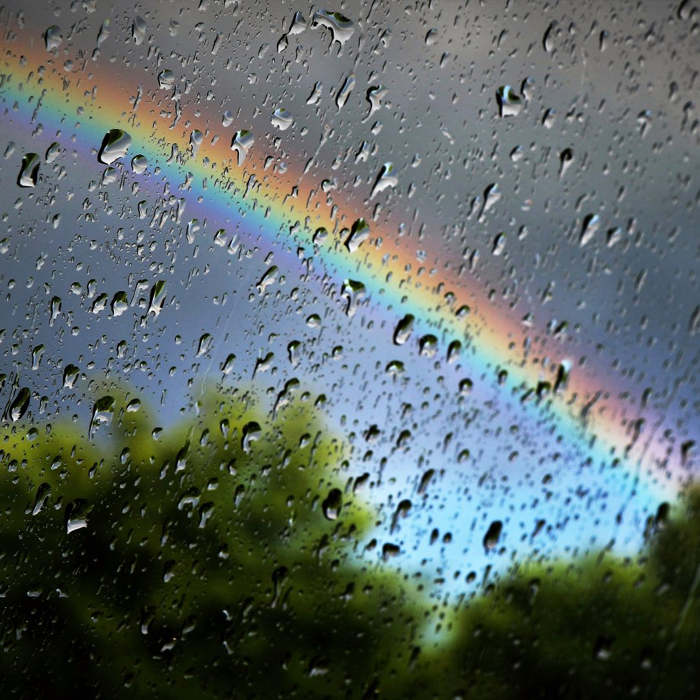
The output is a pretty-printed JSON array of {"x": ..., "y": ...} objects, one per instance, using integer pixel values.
[{"x": 349, "y": 352}]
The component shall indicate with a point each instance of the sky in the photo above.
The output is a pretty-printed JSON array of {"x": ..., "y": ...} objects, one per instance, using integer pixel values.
[{"x": 613, "y": 86}]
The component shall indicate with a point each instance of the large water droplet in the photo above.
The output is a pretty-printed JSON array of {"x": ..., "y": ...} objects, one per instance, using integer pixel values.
[
  {"x": 384, "y": 179},
  {"x": 359, "y": 233},
  {"x": 19, "y": 405},
  {"x": 341, "y": 27},
  {"x": 342, "y": 97},
  {"x": 332, "y": 504},
  {"x": 282, "y": 119},
  {"x": 115, "y": 144},
  {"x": 590, "y": 225},
  {"x": 509, "y": 104},
  {"x": 403, "y": 329},
  {"x": 166, "y": 79},
  {"x": 493, "y": 534},
  {"x": 53, "y": 37},
  {"x": 138, "y": 30},
  {"x": 241, "y": 143},
  {"x": 29, "y": 170},
  {"x": 251, "y": 432},
  {"x": 139, "y": 164}
]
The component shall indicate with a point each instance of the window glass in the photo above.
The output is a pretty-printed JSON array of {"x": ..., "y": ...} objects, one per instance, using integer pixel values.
[{"x": 349, "y": 352}]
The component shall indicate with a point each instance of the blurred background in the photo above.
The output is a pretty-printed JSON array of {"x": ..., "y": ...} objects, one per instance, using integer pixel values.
[{"x": 525, "y": 173}]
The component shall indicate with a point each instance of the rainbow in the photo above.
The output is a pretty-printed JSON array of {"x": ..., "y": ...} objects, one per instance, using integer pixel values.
[{"x": 77, "y": 107}]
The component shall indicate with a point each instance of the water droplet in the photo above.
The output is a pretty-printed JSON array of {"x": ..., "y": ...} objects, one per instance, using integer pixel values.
[
  {"x": 374, "y": 97},
  {"x": 18, "y": 407},
  {"x": 251, "y": 432},
  {"x": 298, "y": 24},
  {"x": 120, "y": 303},
  {"x": 491, "y": 195},
  {"x": 403, "y": 330},
  {"x": 139, "y": 164},
  {"x": 384, "y": 179},
  {"x": 52, "y": 152},
  {"x": 315, "y": 95},
  {"x": 548, "y": 38},
  {"x": 453, "y": 350},
  {"x": 332, "y": 504},
  {"x": 353, "y": 291},
  {"x": 241, "y": 143},
  {"x": 115, "y": 144},
  {"x": 425, "y": 481},
  {"x": 157, "y": 298},
  {"x": 341, "y": 27},
  {"x": 281, "y": 119},
  {"x": 293, "y": 352},
  {"x": 53, "y": 37},
  {"x": 102, "y": 413},
  {"x": 431, "y": 37},
  {"x": 428, "y": 345},
  {"x": 267, "y": 279},
  {"x": 509, "y": 103},
  {"x": 493, "y": 534},
  {"x": 70, "y": 375},
  {"x": 42, "y": 495},
  {"x": 204, "y": 345},
  {"x": 499, "y": 244},
  {"x": 29, "y": 170},
  {"x": 590, "y": 225},
  {"x": 138, "y": 30},
  {"x": 109, "y": 176},
  {"x": 320, "y": 235},
  {"x": 75, "y": 515},
  {"x": 196, "y": 138},
  {"x": 227, "y": 365},
  {"x": 359, "y": 233},
  {"x": 566, "y": 157},
  {"x": 166, "y": 79},
  {"x": 342, "y": 97},
  {"x": 402, "y": 511}
]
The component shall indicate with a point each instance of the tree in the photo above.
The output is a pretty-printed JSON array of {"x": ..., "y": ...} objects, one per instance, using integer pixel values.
[
  {"x": 216, "y": 559},
  {"x": 221, "y": 558}
]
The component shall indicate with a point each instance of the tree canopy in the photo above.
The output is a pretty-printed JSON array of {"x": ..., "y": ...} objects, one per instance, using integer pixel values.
[{"x": 222, "y": 558}]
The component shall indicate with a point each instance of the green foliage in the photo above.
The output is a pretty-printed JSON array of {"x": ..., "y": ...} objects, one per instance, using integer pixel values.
[
  {"x": 206, "y": 566},
  {"x": 199, "y": 562}
]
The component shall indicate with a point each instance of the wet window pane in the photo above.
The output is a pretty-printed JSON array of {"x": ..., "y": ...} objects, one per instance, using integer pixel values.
[{"x": 349, "y": 351}]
